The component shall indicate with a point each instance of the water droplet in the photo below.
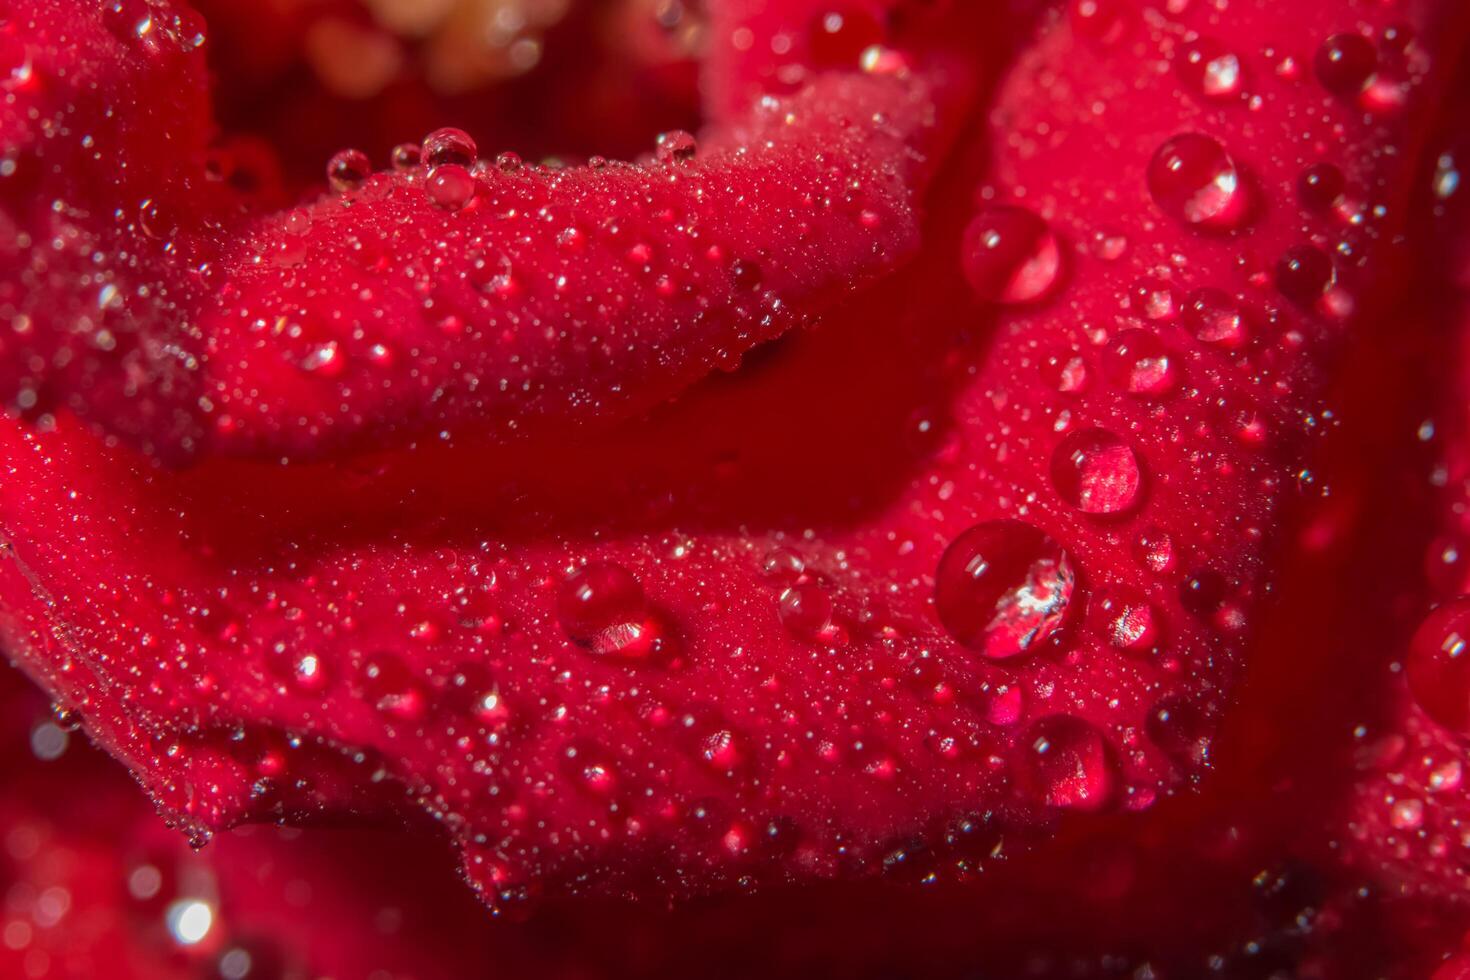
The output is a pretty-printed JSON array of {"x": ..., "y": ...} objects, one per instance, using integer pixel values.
[
  {"x": 16, "y": 64},
  {"x": 1010, "y": 255},
  {"x": 806, "y": 610},
  {"x": 1446, "y": 177},
  {"x": 1003, "y": 587},
  {"x": 593, "y": 774},
  {"x": 1154, "y": 549},
  {"x": 1140, "y": 364},
  {"x": 1438, "y": 665},
  {"x": 783, "y": 564},
  {"x": 1210, "y": 69},
  {"x": 1065, "y": 763},
  {"x": 1103, "y": 21},
  {"x": 1345, "y": 62},
  {"x": 508, "y": 162},
  {"x": 1304, "y": 274},
  {"x": 1320, "y": 186},
  {"x": 392, "y": 688},
  {"x": 128, "y": 19},
  {"x": 1192, "y": 179},
  {"x": 1125, "y": 619},
  {"x": 879, "y": 59},
  {"x": 1067, "y": 373},
  {"x": 1096, "y": 472},
  {"x": 449, "y": 145},
  {"x": 306, "y": 670},
  {"x": 603, "y": 609},
  {"x": 746, "y": 275},
  {"x": 406, "y": 157},
  {"x": 1216, "y": 318},
  {"x": 348, "y": 170},
  {"x": 449, "y": 187},
  {"x": 1154, "y": 299},
  {"x": 838, "y": 38},
  {"x": 1203, "y": 593},
  {"x": 1180, "y": 730},
  {"x": 676, "y": 146}
]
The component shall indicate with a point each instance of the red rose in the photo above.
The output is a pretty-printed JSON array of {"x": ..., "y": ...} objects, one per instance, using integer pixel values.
[{"x": 855, "y": 489}]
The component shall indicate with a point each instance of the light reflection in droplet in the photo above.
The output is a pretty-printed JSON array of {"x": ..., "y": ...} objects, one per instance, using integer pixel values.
[{"x": 189, "y": 920}]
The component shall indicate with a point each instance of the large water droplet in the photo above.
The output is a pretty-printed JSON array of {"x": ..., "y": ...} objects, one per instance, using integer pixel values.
[
  {"x": 1154, "y": 549},
  {"x": 676, "y": 146},
  {"x": 348, "y": 170},
  {"x": 1180, "y": 730},
  {"x": 1125, "y": 618},
  {"x": 1096, "y": 472},
  {"x": 1216, "y": 318},
  {"x": 1010, "y": 255},
  {"x": 1438, "y": 665},
  {"x": 1065, "y": 763},
  {"x": 602, "y": 608},
  {"x": 1210, "y": 69},
  {"x": 1320, "y": 186},
  {"x": 1203, "y": 592},
  {"x": 1140, "y": 364},
  {"x": 1304, "y": 274},
  {"x": 449, "y": 145},
  {"x": 1192, "y": 179},
  {"x": 406, "y": 157},
  {"x": 129, "y": 19},
  {"x": 1003, "y": 587},
  {"x": 1345, "y": 62},
  {"x": 449, "y": 187},
  {"x": 806, "y": 610},
  {"x": 392, "y": 688}
]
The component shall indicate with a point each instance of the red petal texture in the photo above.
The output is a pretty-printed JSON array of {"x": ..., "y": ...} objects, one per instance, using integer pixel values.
[
  {"x": 589, "y": 292},
  {"x": 1405, "y": 816},
  {"x": 700, "y": 650}
]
